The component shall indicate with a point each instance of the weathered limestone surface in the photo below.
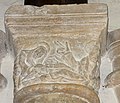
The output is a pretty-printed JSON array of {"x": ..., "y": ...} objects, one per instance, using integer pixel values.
[
  {"x": 113, "y": 12},
  {"x": 113, "y": 79},
  {"x": 3, "y": 52},
  {"x": 58, "y": 51}
]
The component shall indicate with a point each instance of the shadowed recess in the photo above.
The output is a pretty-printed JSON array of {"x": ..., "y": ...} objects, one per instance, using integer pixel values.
[{"x": 50, "y": 2}]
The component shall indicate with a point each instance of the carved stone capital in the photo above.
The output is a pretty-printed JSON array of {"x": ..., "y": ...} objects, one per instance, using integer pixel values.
[{"x": 58, "y": 50}]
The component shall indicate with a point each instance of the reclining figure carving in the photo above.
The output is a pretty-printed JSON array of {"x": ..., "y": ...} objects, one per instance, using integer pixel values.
[{"x": 47, "y": 64}]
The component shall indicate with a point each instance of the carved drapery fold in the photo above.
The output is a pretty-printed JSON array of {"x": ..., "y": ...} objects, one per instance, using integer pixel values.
[{"x": 57, "y": 46}]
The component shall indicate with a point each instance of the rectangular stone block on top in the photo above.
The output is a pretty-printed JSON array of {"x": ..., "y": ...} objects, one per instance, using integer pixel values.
[{"x": 59, "y": 46}]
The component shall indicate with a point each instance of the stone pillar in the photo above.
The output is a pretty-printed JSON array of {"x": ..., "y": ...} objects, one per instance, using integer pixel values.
[
  {"x": 113, "y": 79},
  {"x": 58, "y": 51},
  {"x": 3, "y": 52}
]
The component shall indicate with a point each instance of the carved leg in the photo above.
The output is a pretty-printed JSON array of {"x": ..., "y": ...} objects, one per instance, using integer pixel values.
[{"x": 58, "y": 51}]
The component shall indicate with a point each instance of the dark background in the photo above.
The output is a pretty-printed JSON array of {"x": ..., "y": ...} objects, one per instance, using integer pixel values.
[{"x": 60, "y": 2}]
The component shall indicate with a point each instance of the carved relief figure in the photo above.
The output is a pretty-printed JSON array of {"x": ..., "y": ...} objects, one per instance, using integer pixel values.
[{"x": 44, "y": 64}]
